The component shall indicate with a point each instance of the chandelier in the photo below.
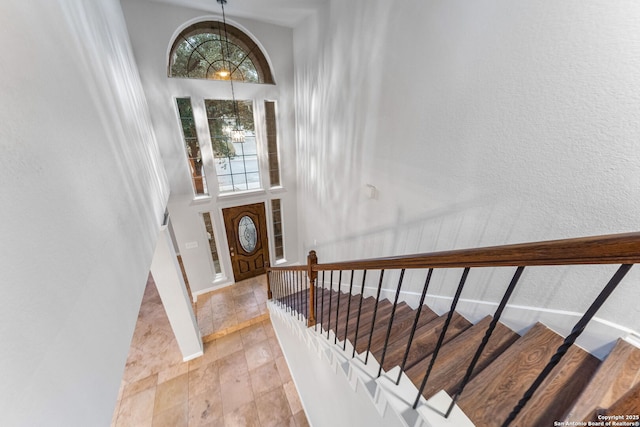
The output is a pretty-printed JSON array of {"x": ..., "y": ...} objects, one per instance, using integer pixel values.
[{"x": 235, "y": 131}]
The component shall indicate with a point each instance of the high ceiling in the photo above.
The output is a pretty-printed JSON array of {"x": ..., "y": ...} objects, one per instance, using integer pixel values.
[{"x": 288, "y": 13}]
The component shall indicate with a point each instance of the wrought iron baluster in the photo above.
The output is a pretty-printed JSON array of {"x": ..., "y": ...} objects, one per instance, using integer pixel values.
[
  {"x": 355, "y": 339},
  {"x": 288, "y": 284},
  {"x": 415, "y": 324},
  {"x": 303, "y": 294},
  {"x": 322, "y": 305},
  {"x": 297, "y": 294},
  {"x": 570, "y": 339},
  {"x": 335, "y": 336},
  {"x": 330, "y": 298},
  {"x": 315, "y": 298},
  {"x": 373, "y": 321},
  {"x": 463, "y": 279},
  {"x": 346, "y": 324},
  {"x": 393, "y": 312},
  {"x": 487, "y": 336}
]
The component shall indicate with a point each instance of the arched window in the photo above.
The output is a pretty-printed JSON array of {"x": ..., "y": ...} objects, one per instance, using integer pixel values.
[{"x": 202, "y": 51}]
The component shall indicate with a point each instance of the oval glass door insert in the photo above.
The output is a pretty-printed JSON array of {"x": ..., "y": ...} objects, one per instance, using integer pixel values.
[{"x": 248, "y": 234}]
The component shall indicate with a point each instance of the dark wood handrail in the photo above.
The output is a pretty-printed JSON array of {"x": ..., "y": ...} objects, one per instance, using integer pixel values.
[
  {"x": 289, "y": 268},
  {"x": 608, "y": 249}
]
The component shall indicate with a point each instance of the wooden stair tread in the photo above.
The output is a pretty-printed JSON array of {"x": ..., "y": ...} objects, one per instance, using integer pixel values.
[
  {"x": 502, "y": 384},
  {"x": 424, "y": 341},
  {"x": 367, "y": 306},
  {"x": 330, "y": 301},
  {"x": 560, "y": 389},
  {"x": 454, "y": 357},
  {"x": 379, "y": 335},
  {"x": 628, "y": 404},
  {"x": 367, "y": 318},
  {"x": 401, "y": 328},
  {"x": 618, "y": 373},
  {"x": 381, "y": 319}
]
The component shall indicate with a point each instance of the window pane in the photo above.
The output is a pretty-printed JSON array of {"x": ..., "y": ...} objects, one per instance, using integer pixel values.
[
  {"x": 192, "y": 146},
  {"x": 236, "y": 162},
  {"x": 272, "y": 143},
  {"x": 208, "y": 225},
  {"x": 277, "y": 229}
]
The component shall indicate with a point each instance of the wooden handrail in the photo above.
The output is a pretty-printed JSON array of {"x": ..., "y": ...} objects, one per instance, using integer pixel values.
[
  {"x": 608, "y": 249},
  {"x": 289, "y": 268}
]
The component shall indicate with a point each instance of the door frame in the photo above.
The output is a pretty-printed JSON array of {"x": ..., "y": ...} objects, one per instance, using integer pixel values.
[{"x": 230, "y": 218}]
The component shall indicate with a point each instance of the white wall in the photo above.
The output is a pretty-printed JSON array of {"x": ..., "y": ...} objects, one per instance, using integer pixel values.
[
  {"x": 153, "y": 27},
  {"x": 480, "y": 123},
  {"x": 82, "y": 191}
]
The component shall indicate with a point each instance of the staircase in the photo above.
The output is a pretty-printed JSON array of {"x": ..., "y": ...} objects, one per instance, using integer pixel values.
[
  {"x": 578, "y": 387},
  {"x": 476, "y": 376}
]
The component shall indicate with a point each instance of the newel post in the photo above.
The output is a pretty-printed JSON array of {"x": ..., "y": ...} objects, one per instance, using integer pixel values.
[
  {"x": 269, "y": 294},
  {"x": 312, "y": 260}
]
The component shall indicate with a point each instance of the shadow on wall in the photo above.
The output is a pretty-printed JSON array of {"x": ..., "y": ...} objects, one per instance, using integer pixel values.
[{"x": 333, "y": 132}]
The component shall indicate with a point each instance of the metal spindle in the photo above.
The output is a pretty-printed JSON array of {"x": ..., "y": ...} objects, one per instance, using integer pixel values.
[
  {"x": 355, "y": 339},
  {"x": 315, "y": 294},
  {"x": 373, "y": 321},
  {"x": 322, "y": 305},
  {"x": 465, "y": 273},
  {"x": 393, "y": 312},
  {"x": 297, "y": 286},
  {"x": 570, "y": 339},
  {"x": 335, "y": 336},
  {"x": 299, "y": 278},
  {"x": 485, "y": 339},
  {"x": 415, "y": 324},
  {"x": 330, "y": 298},
  {"x": 346, "y": 324},
  {"x": 287, "y": 292}
]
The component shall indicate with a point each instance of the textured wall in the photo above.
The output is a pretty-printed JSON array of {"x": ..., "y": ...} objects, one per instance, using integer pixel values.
[
  {"x": 83, "y": 192},
  {"x": 479, "y": 123}
]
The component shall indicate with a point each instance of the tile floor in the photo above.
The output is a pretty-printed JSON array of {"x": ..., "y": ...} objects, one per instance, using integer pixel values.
[{"x": 242, "y": 379}]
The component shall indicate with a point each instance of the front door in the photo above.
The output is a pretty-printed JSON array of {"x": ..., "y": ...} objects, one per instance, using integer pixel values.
[{"x": 246, "y": 228}]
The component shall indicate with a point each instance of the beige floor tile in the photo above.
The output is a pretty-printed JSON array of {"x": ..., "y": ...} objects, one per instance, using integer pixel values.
[
  {"x": 236, "y": 393},
  {"x": 276, "y": 350},
  {"x": 268, "y": 328},
  {"x": 292, "y": 397},
  {"x": 205, "y": 409},
  {"x": 244, "y": 416},
  {"x": 301, "y": 419},
  {"x": 258, "y": 354},
  {"x": 265, "y": 378},
  {"x": 229, "y": 344},
  {"x": 225, "y": 322},
  {"x": 140, "y": 385},
  {"x": 273, "y": 408},
  {"x": 176, "y": 416},
  {"x": 172, "y": 372},
  {"x": 204, "y": 378},
  {"x": 245, "y": 314},
  {"x": 137, "y": 410},
  {"x": 210, "y": 350},
  {"x": 231, "y": 366},
  {"x": 253, "y": 334},
  {"x": 283, "y": 370},
  {"x": 158, "y": 388},
  {"x": 171, "y": 393}
]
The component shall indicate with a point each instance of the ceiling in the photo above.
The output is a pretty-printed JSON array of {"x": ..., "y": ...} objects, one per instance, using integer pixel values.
[{"x": 288, "y": 13}]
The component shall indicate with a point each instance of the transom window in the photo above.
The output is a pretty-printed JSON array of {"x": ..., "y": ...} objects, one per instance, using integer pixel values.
[{"x": 202, "y": 51}]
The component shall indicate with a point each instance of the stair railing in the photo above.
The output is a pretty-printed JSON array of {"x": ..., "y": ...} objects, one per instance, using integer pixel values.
[{"x": 296, "y": 288}]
